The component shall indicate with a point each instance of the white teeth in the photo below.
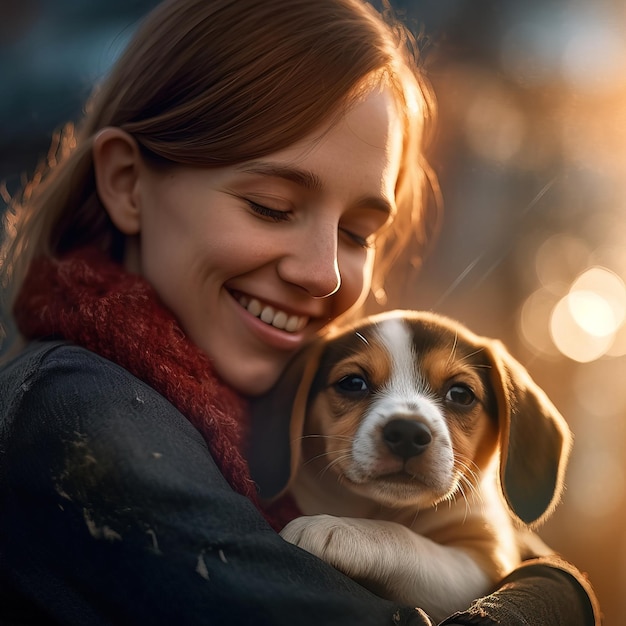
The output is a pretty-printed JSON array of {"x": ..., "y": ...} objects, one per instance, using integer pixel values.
[
  {"x": 280, "y": 320},
  {"x": 269, "y": 315},
  {"x": 292, "y": 324},
  {"x": 254, "y": 307}
]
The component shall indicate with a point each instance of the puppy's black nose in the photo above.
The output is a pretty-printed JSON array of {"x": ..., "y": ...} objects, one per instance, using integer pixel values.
[{"x": 406, "y": 438}]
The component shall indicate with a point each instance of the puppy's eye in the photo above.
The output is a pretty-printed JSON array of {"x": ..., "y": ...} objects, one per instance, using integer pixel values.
[
  {"x": 460, "y": 394},
  {"x": 352, "y": 384}
]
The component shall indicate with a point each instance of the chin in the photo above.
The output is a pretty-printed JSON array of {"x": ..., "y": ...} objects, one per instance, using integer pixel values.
[{"x": 251, "y": 381}]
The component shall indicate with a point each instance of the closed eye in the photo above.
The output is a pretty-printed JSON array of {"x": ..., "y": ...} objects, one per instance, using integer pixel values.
[
  {"x": 277, "y": 215},
  {"x": 362, "y": 242},
  {"x": 363, "y": 224},
  {"x": 264, "y": 211}
]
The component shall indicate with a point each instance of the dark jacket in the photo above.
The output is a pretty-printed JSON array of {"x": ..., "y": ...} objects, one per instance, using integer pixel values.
[{"x": 113, "y": 512}]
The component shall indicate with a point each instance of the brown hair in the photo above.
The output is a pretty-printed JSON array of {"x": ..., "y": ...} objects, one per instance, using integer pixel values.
[{"x": 217, "y": 82}]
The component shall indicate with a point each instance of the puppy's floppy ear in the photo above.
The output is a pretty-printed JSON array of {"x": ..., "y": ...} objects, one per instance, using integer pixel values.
[
  {"x": 277, "y": 423},
  {"x": 534, "y": 440}
]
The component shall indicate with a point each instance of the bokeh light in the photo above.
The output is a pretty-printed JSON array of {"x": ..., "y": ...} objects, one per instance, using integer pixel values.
[
  {"x": 533, "y": 327},
  {"x": 618, "y": 348},
  {"x": 548, "y": 41},
  {"x": 579, "y": 310},
  {"x": 591, "y": 312},
  {"x": 598, "y": 301},
  {"x": 559, "y": 258},
  {"x": 573, "y": 340},
  {"x": 494, "y": 124},
  {"x": 586, "y": 320},
  {"x": 593, "y": 52}
]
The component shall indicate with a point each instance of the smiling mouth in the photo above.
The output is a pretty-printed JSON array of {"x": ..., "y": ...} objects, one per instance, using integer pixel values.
[{"x": 271, "y": 316}]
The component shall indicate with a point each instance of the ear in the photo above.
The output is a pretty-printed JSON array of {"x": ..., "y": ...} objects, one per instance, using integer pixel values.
[
  {"x": 535, "y": 440},
  {"x": 116, "y": 160},
  {"x": 278, "y": 421}
]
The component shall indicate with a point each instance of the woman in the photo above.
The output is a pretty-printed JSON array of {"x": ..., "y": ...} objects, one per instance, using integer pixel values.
[{"x": 240, "y": 179}]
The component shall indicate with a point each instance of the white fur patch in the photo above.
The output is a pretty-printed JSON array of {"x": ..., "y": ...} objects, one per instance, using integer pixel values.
[{"x": 405, "y": 395}]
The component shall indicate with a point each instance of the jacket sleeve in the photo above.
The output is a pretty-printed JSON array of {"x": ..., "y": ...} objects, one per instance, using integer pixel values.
[
  {"x": 544, "y": 590},
  {"x": 113, "y": 512}
]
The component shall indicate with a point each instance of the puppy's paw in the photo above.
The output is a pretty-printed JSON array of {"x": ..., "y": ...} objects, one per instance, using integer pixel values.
[
  {"x": 393, "y": 562},
  {"x": 316, "y": 533},
  {"x": 361, "y": 549}
]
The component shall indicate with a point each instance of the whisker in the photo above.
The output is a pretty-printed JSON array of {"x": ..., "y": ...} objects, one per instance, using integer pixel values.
[
  {"x": 470, "y": 355},
  {"x": 346, "y": 454},
  {"x": 469, "y": 478},
  {"x": 467, "y": 505},
  {"x": 320, "y": 436},
  {"x": 453, "y": 349},
  {"x": 469, "y": 466},
  {"x": 471, "y": 488},
  {"x": 417, "y": 510},
  {"x": 333, "y": 463}
]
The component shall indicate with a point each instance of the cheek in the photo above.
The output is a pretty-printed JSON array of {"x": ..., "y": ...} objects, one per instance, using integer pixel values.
[
  {"x": 339, "y": 436},
  {"x": 163, "y": 231},
  {"x": 475, "y": 442},
  {"x": 179, "y": 212}
]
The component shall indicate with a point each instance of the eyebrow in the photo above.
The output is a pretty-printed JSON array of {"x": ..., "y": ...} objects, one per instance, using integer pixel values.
[
  {"x": 308, "y": 180},
  {"x": 300, "y": 177}
]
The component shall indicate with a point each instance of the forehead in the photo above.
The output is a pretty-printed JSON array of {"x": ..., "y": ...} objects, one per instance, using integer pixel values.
[
  {"x": 404, "y": 342},
  {"x": 361, "y": 147},
  {"x": 423, "y": 331}
]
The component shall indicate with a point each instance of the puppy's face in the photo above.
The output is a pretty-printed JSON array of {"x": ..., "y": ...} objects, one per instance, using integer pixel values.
[{"x": 402, "y": 411}]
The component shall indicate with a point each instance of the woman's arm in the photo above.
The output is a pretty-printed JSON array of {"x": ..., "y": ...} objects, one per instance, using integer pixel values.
[
  {"x": 546, "y": 591},
  {"x": 113, "y": 512}
]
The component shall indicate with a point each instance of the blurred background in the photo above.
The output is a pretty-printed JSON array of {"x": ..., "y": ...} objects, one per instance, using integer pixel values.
[{"x": 530, "y": 151}]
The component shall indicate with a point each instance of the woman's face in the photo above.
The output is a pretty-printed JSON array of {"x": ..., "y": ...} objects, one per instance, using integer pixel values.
[{"x": 254, "y": 259}]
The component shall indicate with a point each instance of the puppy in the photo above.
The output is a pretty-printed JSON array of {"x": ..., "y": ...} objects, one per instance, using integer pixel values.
[{"x": 419, "y": 453}]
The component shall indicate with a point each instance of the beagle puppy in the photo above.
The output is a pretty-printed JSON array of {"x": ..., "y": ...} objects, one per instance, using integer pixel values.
[{"x": 419, "y": 453}]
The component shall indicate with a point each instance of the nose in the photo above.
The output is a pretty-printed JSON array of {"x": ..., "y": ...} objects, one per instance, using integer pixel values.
[
  {"x": 312, "y": 262},
  {"x": 406, "y": 438}
]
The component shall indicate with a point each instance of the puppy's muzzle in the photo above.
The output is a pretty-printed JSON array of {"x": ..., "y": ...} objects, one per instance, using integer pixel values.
[{"x": 406, "y": 438}]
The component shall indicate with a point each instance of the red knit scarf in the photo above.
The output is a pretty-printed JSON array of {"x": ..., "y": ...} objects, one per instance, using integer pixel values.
[{"x": 93, "y": 302}]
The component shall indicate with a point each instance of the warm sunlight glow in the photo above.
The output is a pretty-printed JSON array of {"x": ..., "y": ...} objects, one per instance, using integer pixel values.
[
  {"x": 560, "y": 257},
  {"x": 585, "y": 321},
  {"x": 599, "y": 479},
  {"x": 571, "y": 338},
  {"x": 494, "y": 125},
  {"x": 618, "y": 348},
  {"x": 605, "y": 296},
  {"x": 598, "y": 390},
  {"x": 532, "y": 321},
  {"x": 592, "y": 313}
]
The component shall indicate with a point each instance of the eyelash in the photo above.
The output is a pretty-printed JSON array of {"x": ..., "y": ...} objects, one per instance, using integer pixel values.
[
  {"x": 264, "y": 211},
  {"x": 362, "y": 242},
  {"x": 283, "y": 216}
]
